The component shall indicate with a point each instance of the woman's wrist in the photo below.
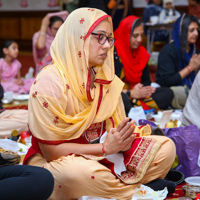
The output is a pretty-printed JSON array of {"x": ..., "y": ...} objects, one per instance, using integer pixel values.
[
  {"x": 189, "y": 68},
  {"x": 43, "y": 29},
  {"x": 103, "y": 149},
  {"x": 132, "y": 94},
  {"x": 42, "y": 33}
]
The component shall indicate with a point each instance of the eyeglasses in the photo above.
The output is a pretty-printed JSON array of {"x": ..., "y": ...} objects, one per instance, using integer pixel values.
[{"x": 102, "y": 39}]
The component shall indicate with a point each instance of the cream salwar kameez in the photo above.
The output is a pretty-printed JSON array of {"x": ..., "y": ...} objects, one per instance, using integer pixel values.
[
  {"x": 76, "y": 176},
  {"x": 63, "y": 108}
]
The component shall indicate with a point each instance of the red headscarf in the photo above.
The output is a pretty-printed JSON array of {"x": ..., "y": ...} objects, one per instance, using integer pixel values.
[{"x": 133, "y": 62}]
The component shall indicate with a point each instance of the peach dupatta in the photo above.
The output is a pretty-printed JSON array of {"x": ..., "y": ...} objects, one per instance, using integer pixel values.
[{"x": 62, "y": 105}]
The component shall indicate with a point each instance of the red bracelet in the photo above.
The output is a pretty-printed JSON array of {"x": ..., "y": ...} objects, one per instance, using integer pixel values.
[{"x": 103, "y": 150}]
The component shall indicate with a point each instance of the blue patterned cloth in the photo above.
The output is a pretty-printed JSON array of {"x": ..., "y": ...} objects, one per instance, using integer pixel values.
[{"x": 187, "y": 56}]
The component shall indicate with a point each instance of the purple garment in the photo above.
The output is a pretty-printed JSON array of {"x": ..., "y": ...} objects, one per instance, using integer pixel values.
[{"x": 8, "y": 78}]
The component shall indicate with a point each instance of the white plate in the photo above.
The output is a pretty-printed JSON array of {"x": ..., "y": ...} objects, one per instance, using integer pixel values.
[
  {"x": 6, "y": 101},
  {"x": 193, "y": 180},
  {"x": 21, "y": 97}
]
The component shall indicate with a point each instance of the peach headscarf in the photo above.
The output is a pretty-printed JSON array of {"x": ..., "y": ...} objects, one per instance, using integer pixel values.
[{"x": 62, "y": 105}]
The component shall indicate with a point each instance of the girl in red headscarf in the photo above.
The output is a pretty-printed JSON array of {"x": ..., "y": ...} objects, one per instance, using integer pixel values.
[{"x": 131, "y": 65}]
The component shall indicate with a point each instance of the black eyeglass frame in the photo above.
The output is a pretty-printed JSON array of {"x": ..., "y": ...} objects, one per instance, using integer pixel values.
[{"x": 107, "y": 38}]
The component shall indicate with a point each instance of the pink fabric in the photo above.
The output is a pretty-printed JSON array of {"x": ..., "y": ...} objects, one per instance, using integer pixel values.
[
  {"x": 40, "y": 59},
  {"x": 8, "y": 77}
]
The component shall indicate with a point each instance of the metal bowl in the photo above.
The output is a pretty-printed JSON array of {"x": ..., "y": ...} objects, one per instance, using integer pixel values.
[{"x": 191, "y": 190}]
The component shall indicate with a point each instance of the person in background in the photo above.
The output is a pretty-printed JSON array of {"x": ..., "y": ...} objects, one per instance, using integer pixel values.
[
  {"x": 85, "y": 121},
  {"x": 42, "y": 39},
  {"x": 190, "y": 114},
  {"x": 100, "y": 4},
  {"x": 194, "y": 8},
  {"x": 131, "y": 65},
  {"x": 120, "y": 11},
  {"x": 69, "y": 5},
  {"x": 10, "y": 74},
  {"x": 168, "y": 13},
  {"x": 179, "y": 61},
  {"x": 154, "y": 8}
]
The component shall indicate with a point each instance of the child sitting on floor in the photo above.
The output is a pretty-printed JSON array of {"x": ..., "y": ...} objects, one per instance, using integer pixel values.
[
  {"x": 168, "y": 13},
  {"x": 10, "y": 74}
]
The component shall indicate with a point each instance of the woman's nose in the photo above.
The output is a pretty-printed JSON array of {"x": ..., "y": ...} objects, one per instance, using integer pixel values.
[
  {"x": 140, "y": 39},
  {"x": 196, "y": 32},
  {"x": 107, "y": 44}
]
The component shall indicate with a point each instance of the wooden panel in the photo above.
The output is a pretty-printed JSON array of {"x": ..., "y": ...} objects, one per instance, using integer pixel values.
[
  {"x": 21, "y": 26},
  {"x": 10, "y": 28},
  {"x": 29, "y": 26}
]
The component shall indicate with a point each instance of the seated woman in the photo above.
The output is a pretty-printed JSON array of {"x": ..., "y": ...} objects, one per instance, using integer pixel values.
[
  {"x": 168, "y": 13},
  {"x": 42, "y": 39},
  {"x": 178, "y": 62},
  {"x": 131, "y": 66},
  {"x": 190, "y": 114},
  {"x": 154, "y": 8},
  {"x": 73, "y": 102}
]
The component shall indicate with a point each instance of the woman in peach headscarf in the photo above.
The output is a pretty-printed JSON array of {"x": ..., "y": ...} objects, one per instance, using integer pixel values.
[{"x": 75, "y": 101}]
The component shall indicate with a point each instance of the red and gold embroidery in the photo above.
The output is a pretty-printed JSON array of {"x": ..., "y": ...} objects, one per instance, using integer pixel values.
[
  {"x": 107, "y": 91},
  {"x": 92, "y": 177},
  {"x": 83, "y": 85},
  {"x": 45, "y": 104},
  {"x": 34, "y": 82},
  {"x": 82, "y": 20},
  {"x": 94, "y": 132}
]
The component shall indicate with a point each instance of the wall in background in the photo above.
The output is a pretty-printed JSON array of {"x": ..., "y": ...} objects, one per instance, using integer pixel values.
[{"x": 26, "y": 5}]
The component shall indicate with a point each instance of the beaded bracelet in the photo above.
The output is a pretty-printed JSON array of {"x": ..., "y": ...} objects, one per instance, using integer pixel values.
[
  {"x": 42, "y": 33},
  {"x": 103, "y": 150}
]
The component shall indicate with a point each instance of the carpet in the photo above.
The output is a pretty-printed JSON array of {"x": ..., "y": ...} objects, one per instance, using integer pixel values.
[
  {"x": 16, "y": 105},
  {"x": 178, "y": 192}
]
